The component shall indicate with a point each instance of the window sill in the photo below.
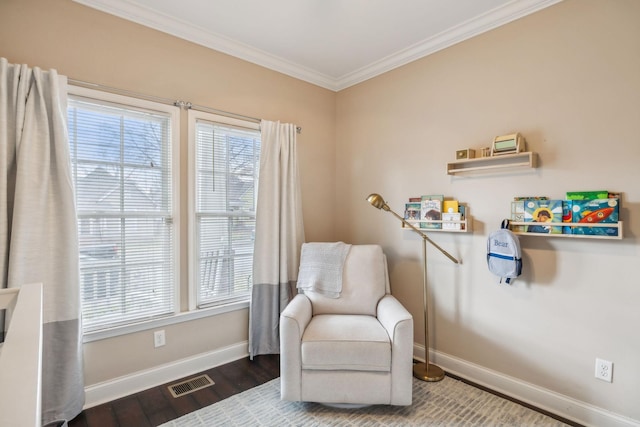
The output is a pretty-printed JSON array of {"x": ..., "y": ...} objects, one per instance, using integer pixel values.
[{"x": 165, "y": 321}]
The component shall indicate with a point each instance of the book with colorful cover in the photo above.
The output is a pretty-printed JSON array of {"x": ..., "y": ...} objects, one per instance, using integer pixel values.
[
  {"x": 431, "y": 209},
  {"x": 587, "y": 195},
  {"x": 596, "y": 211},
  {"x": 567, "y": 215},
  {"x": 464, "y": 211},
  {"x": 412, "y": 211},
  {"x": 539, "y": 210},
  {"x": 450, "y": 206}
]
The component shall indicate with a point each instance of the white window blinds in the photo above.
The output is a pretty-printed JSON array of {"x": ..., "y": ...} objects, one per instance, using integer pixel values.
[
  {"x": 123, "y": 170},
  {"x": 225, "y": 164}
]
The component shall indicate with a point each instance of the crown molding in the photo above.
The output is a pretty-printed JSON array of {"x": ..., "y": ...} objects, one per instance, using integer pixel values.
[
  {"x": 469, "y": 29},
  {"x": 168, "y": 24},
  {"x": 131, "y": 11}
]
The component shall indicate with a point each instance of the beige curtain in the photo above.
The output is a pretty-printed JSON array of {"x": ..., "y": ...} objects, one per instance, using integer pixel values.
[
  {"x": 279, "y": 236},
  {"x": 38, "y": 227}
]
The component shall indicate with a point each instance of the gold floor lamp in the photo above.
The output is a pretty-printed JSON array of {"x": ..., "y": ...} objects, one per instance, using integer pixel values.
[{"x": 424, "y": 371}]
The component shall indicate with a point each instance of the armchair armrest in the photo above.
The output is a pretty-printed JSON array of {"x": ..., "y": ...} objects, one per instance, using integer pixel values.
[
  {"x": 293, "y": 322},
  {"x": 392, "y": 314},
  {"x": 399, "y": 325},
  {"x": 299, "y": 312}
]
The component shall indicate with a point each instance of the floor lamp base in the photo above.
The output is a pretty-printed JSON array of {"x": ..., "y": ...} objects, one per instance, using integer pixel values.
[{"x": 427, "y": 372}]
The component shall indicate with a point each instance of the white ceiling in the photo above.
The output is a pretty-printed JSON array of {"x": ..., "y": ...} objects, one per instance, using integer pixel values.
[{"x": 330, "y": 43}]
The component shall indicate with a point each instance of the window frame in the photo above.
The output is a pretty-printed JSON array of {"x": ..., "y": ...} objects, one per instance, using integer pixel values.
[
  {"x": 193, "y": 117},
  {"x": 173, "y": 113}
]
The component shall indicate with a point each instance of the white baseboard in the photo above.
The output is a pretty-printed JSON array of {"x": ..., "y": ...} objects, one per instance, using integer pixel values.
[
  {"x": 107, "y": 391},
  {"x": 539, "y": 397}
]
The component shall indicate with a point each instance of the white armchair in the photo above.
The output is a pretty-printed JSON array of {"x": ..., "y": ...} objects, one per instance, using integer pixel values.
[{"x": 355, "y": 349}]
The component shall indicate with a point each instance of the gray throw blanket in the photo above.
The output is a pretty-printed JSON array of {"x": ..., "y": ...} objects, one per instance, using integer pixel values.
[{"x": 321, "y": 268}]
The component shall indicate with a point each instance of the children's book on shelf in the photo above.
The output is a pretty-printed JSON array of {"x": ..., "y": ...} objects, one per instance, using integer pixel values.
[
  {"x": 596, "y": 211},
  {"x": 450, "y": 212},
  {"x": 462, "y": 209},
  {"x": 517, "y": 198},
  {"x": 412, "y": 211},
  {"x": 431, "y": 209},
  {"x": 517, "y": 215},
  {"x": 587, "y": 195},
  {"x": 543, "y": 210},
  {"x": 451, "y": 216},
  {"x": 449, "y": 206},
  {"x": 567, "y": 215}
]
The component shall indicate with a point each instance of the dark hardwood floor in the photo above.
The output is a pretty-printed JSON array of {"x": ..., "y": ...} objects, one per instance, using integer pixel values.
[{"x": 156, "y": 406}]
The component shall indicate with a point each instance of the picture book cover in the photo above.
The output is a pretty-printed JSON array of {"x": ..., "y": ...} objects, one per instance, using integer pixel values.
[
  {"x": 596, "y": 211},
  {"x": 450, "y": 216},
  {"x": 450, "y": 206},
  {"x": 567, "y": 216},
  {"x": 462, "y": 209},
  {"x": 543, "y": 211},
  {"x": 431, "y": 209},
  {"x": 587, "y": 195},
  {"x": 412, "y": 211},
  {"x": 517, "y": 215}
]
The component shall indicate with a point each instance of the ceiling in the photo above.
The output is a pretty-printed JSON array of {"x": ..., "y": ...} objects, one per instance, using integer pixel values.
[{"x": 331, "y": 43}]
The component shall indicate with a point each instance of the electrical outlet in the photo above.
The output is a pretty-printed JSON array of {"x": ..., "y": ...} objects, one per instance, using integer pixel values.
[
  {"x": 604, "y": 370},
  {"x": 159, "y": 338}
]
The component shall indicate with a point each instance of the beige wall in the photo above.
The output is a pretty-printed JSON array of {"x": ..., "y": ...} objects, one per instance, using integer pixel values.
[
  {"x": 88, "y": 45},
  {"x": 568, "y": 79}
]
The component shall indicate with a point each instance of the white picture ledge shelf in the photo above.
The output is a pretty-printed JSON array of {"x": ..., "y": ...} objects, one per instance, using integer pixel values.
[
  {"x": 493, "y": 164},
  {"x": 464, "y": 225},
  {"x": 617, "y": 225}
]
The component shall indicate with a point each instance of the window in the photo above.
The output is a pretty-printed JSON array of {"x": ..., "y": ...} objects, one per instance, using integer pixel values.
[
  {"x": 224, "y": 160},
  {"x": 125, "y": 175}
]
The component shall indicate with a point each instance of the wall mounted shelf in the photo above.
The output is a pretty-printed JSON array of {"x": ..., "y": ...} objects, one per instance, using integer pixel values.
[
  {"x": 493, "y": 164},
  {"x": 617, "y": 225},
  {"x": 465, "y": 225}
]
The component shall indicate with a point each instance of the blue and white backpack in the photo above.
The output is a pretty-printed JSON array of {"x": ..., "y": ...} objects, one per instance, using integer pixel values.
[{"x": 503, "y": 253}]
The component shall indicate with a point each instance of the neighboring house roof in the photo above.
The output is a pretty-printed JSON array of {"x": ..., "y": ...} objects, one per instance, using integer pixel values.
[{"x": 104, "y": 191}]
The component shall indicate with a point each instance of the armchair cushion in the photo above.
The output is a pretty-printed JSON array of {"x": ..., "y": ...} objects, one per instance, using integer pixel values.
[{"x": 346, "y": 342}]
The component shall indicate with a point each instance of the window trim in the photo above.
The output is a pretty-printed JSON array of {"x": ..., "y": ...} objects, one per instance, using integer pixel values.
[
  {"x": 192, "y": 117},
  {"x": 185, "y": 316},
  {"x": 174, "y": 147}
]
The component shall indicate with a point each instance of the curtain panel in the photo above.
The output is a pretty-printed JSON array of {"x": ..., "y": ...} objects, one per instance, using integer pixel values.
[
  {"x": 38, "y": 226},
  {"x": 279, "y": 236}
]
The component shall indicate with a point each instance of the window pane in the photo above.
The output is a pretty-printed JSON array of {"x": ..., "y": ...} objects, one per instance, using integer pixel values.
[
  {"x": 122, "y": 172},
  {"x": 97, "y": 187},
  {"x": 144, "y": 190},
  {"x": 227, "y": 163}
]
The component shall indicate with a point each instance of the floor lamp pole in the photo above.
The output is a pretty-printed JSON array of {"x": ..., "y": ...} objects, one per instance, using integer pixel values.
[
  {"x": 426, "y": 371},
  {"x": 423, "y": 371}
]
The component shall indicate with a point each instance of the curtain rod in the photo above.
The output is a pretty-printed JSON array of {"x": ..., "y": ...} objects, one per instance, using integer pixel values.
[{"x": 180, "y": 104}]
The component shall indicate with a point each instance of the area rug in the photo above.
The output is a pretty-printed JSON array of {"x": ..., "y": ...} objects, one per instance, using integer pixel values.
[{"x": 446, "y": 403}]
